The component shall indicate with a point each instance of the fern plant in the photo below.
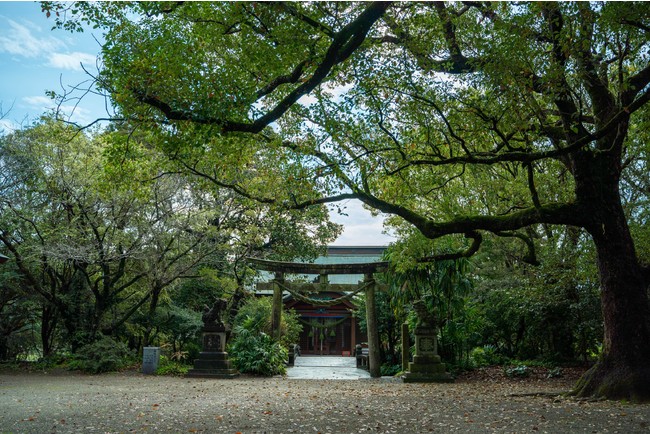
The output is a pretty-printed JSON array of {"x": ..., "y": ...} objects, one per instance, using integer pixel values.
[{"x": 257, "y": 353}]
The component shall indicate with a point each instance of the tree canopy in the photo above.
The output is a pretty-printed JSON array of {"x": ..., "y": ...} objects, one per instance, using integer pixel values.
[{"x": 102, "y": 231}]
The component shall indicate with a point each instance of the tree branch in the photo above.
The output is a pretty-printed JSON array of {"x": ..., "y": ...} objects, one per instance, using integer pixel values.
[
  {"x": 471, "y": 250},
  {"x": 283, "y": 79},
  {"x": 531, "y": 256},
  {"x": 456, "y": 63},
  {"x": 344, "y": 43},
  {"x": 600, "y": 95},
  {"x": 528, "y": 157},
  {"x": 637, "y": 83},
  {"x": 562, "y": 213},
  {"x": 287, "y": 6}
]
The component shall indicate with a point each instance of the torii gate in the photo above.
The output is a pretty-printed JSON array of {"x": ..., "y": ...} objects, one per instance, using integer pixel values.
[{"x": 323, "y": 270}]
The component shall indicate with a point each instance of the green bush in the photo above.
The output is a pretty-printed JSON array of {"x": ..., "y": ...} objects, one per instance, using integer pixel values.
[
  {"x": 171, "y": 367},
  {"x": 485, "y": 356},
  {"x": 193, "y": 349},
  {"x": 257, "y": 353},
  {"x": 252, "y": 348},
  {"x": 462, "y": 365},
  {"x": 389, "y": 370},
  {"x": 103, "y": 355}
]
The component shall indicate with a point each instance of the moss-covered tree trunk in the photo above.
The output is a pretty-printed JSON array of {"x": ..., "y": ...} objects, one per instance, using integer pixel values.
[{"x": 623, "y": 371}]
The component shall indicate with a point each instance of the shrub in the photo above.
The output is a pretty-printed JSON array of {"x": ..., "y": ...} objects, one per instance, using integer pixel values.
[
  {"x": 103, "y": 355},
  {"x": 252, "y": 348},
  {"x": 193, "y": 349},
  {"x": 257, "y": 353},
  {"x": 485, "y": 356},
  {"x": 171, "y": 367},
  {"x": 462, "y": 365},
  {"x": 390, "y": 370}
]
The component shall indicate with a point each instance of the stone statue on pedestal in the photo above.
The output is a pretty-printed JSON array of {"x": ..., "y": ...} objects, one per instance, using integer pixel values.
[
  {"x": 426, "y": 365},
  {"x": 213, "y": 360}
]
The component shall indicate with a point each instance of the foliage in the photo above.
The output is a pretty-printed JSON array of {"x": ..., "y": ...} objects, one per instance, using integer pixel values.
[
  {"x": 252, "y": 347},
  {"x": 104, "y": 355},
  {"x": 90, "y": 247},
  {"x": 255, "y": 316},
  {"x": 171, "y": 367},
  {"x": 444, "y": 287},
  {"x": 170, "y": 325},
  {"x": 485, "y": 356},
  {"x": 388, "y": 370},
  {"x": 518, "y": 371},
  {"x": 389, "y": 321},
  {"x": 17, "y": 316},
  {"x": 257, "y": 353},
  {"x": 103, "y": 241},
  {"x": 550, "y": 311}
]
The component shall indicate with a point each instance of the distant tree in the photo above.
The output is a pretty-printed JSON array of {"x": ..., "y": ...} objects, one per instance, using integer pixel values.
[
  {"x": 81, "y": 241},
  {"x": 99, "y": 232}
]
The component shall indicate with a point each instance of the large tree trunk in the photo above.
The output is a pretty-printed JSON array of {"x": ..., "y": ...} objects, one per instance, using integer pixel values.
[{"x": 623, "y": 371}]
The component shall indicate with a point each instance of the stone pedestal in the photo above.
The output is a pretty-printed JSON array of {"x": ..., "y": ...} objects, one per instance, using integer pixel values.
[
  {"x": 213, "y": 361},
  {"x": 426, "y": 366}
]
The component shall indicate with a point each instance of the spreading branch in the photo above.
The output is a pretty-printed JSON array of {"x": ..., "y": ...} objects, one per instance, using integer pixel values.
[
  {"x": 471, "y": 250},
  {"x": 344, "y": 43}
]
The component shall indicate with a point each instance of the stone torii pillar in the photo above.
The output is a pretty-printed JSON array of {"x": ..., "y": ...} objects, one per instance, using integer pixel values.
[
  {"x": 374, "y": 359},
  {"x": 276, "y": 316}
]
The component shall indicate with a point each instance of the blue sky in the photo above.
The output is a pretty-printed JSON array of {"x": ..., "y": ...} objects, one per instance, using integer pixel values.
[{"x": 35, "y": 59}]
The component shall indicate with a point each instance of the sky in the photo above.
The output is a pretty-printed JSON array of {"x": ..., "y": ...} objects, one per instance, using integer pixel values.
[{"x": 35, "y": 59}]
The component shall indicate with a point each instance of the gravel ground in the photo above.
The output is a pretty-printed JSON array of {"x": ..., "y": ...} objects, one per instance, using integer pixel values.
[{"x": 67, "y": 402}]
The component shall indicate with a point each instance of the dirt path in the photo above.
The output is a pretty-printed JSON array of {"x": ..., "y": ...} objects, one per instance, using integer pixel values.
[{"x": 131, "y": 402}]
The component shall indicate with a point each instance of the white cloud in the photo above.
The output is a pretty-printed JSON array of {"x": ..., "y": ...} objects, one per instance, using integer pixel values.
[
  {"x": 8, "y": 126},
  {"x": 77, "y": 114},
  {"x": 21, "y": 40},
  {"x": 42, "y": 104},
  {"x": 39, "y": 102},
  {"x": 71, "y": 61},
  {"x": 360, "y": 227}
]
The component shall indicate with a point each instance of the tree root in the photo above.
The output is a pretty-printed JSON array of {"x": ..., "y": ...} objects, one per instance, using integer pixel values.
[
  {"x": 614, "y": 381},
  {"x": 549, "y": 394}
]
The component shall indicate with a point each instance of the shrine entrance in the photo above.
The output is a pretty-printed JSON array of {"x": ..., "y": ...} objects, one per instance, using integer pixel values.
[
  {"x": 326, "y": 330},
  {"x": 329, "y": 329}
]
